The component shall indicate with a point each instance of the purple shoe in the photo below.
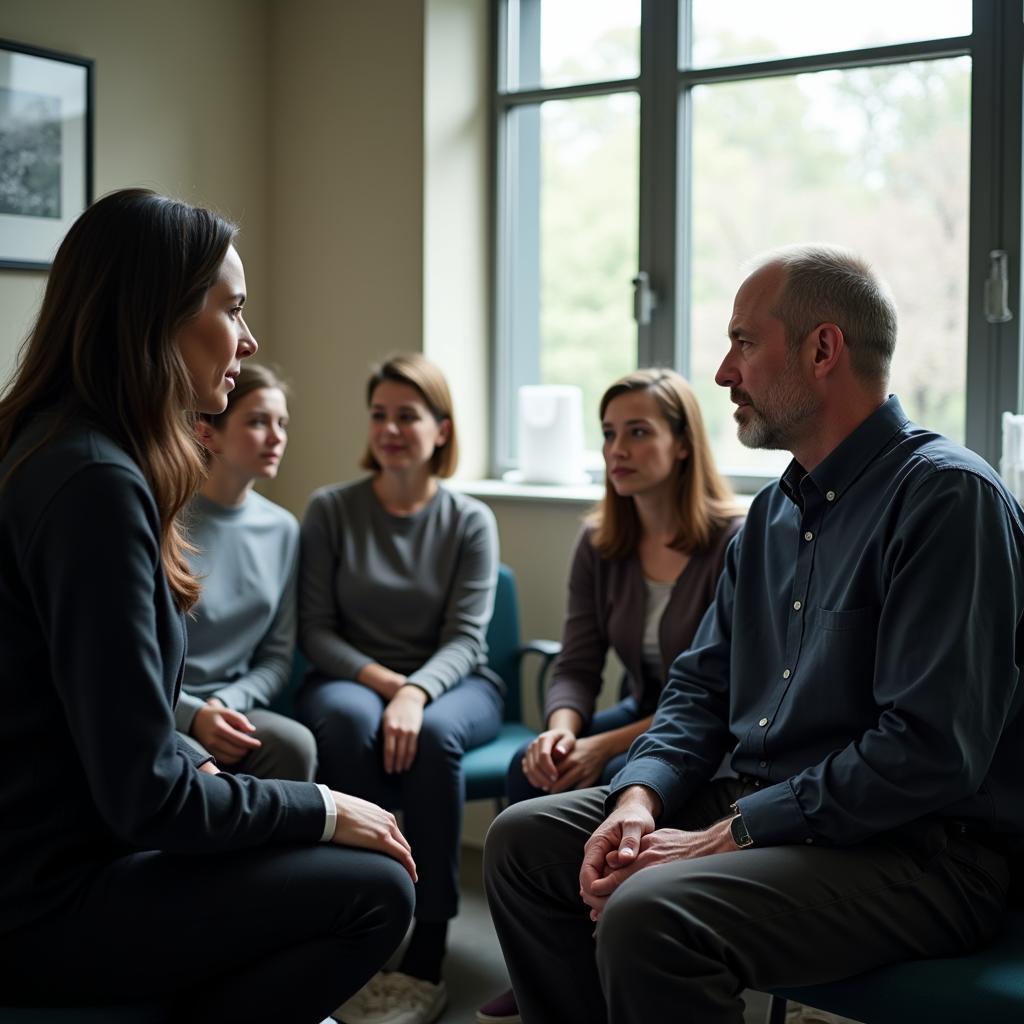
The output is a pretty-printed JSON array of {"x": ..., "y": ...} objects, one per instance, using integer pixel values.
[{"x": 502, "y": 1010}]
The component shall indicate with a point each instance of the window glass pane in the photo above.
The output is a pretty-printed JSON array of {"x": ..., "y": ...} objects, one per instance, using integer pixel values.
[
  {"x": 569, "y": 42},
  {"x": 752, "y": 30},
  {"x": 573, "y": 180},
  {"x": 875, "y": 159}
]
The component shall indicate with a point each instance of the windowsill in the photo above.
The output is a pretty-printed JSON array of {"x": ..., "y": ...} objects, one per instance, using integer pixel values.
[{"x": 578, "y": 494}]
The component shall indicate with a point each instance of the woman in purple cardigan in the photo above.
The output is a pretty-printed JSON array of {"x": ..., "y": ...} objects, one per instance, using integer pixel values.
[{"x": 644, "y": 571}]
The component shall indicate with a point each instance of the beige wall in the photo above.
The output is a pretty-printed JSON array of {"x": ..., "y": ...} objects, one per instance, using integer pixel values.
[
  {"x": 346, "y": 130},
  {"x": 181, "y": 97}
]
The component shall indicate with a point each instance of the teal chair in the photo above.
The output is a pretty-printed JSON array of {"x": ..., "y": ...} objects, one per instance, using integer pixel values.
[
  {"x": 485, "y": 767},
  {"x": 984, "y": 988}
]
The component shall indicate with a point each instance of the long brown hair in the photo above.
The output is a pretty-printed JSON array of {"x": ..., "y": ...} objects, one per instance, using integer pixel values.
[
  {"x": 133, "y": 269},
  {"x": 703, "y": 501},
  {"x": 419, "y": 373}
]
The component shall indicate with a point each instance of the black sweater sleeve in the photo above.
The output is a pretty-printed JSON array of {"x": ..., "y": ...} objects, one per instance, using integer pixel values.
[{"x": 93, "y": 572}]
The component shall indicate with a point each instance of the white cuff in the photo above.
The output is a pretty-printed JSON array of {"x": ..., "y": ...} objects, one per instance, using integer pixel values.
[{"x": 331, "y": 809}]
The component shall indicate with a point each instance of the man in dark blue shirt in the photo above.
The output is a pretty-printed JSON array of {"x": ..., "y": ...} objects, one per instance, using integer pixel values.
[{"x": 861, "y": 661}]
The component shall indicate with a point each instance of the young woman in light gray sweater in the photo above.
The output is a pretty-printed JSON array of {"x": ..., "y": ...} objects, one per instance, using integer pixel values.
[
  {"x": 396, "y": 591},
  {"x": 241, "y": 634}
]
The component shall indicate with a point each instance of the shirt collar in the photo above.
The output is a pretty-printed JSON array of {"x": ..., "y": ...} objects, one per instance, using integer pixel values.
[{"x": 837, "y": 471}]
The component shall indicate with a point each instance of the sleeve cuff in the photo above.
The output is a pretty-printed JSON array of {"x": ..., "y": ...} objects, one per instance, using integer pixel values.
[
  {"x": 655, "y": 774},
  {"x": 773, "y": 817},
  {"x": 330, "y": 813}
]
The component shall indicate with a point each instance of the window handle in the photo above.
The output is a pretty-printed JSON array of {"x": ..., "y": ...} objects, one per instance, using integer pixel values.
[
  {"x": 645, "y": 298},
  {"x": 997, "y": 310}
]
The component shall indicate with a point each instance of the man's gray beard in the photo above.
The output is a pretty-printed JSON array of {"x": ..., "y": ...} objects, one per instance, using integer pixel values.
[
  {"x": 783, "y": 434},
  {"x": 756, "y": 433}
]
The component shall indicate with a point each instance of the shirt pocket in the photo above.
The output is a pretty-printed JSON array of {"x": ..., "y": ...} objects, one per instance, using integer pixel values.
[{"x": 845, "y": 620}]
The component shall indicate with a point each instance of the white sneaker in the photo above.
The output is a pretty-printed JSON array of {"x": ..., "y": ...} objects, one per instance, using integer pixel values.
[
  {"x": 403, "y": 1000},
  {"x": 367, "y": 1003}
]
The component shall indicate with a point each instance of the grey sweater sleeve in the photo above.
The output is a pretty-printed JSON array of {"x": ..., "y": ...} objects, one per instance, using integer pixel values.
[
  {"x": 319, "y": 628},
  {"x": 271, "y": 664},
  {"x": 468, "y": 608}
]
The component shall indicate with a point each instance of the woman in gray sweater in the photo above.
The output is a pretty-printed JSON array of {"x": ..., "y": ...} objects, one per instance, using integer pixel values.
[
  {"x": 241, "y": 633},
  {"x": 396, "y": 590}
]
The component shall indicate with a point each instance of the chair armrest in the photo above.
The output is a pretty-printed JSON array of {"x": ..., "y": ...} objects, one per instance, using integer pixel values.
[{"x": 547, "y": 650}]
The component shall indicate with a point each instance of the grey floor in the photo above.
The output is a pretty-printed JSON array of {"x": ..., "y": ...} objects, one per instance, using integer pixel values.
[{"x": 474, "y": 970}]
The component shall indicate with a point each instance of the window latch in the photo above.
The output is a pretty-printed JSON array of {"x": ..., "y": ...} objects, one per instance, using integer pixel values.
[
  {"x": 645, "y": 298},
  {"x": 997, "y": 287}
]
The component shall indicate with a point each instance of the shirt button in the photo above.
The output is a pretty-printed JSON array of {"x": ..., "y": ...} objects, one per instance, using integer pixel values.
[
  {"x": 763, "y": 722},
  {"x": 808, "y": 535},
  {"x": 796, "y": 605},
  {"x": 808, "y": 841},
  {"x": 764, "y": 764},
  {"x": 786, "y": 674},
  {"x": 830, "y": 495}
]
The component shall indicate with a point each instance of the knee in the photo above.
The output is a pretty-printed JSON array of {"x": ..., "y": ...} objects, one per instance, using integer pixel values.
[
  {"x": 630, "y": 926},
  {"x": 437, "y": 742},
  {"x": 298, "y": 754},
  {"x": 507, "y": 839}
]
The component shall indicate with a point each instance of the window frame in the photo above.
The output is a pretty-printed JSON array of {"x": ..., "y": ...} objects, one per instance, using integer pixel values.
[{"x": 995, "y": 370}]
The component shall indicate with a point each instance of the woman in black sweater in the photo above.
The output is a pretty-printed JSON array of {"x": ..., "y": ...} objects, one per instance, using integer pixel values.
[{"x": 112, "y": 828}]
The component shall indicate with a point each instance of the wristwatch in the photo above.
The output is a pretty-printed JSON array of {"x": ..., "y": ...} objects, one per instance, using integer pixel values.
[{"x": 740, "y": 835}]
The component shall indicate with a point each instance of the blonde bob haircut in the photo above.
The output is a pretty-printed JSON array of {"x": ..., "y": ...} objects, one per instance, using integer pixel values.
[
  {"x": 421, "y": 374},
  {"x": 703, "y": 501}
]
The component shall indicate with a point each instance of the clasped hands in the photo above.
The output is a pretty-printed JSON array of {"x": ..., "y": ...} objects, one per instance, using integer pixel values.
[{"x": 628, "y": 841}]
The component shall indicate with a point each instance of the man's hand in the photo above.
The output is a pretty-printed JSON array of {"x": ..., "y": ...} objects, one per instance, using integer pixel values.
[
  {"x": 400, "y": 728},
  {"x": 657, "y": 847},
  {"x": 369, "y": 827},
  {"x": 620, "y": 833},
  {"x": 224, "y": 733}
]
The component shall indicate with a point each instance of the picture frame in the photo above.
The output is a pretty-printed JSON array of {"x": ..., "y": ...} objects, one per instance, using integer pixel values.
[{"x": 46, "y": 152}]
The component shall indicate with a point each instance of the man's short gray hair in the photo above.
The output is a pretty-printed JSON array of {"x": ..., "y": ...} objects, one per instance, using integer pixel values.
[{"x": 827, "y": 284}]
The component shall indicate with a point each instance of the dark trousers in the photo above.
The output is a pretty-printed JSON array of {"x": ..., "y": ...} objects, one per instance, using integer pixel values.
[
  {"x": 280, "y": 935},
  {"x": 626, "y": 712},
  {"x": 680, "y": 941},
  {"x": 288, "y": 750},
  {"x": 345, "y": 718}
]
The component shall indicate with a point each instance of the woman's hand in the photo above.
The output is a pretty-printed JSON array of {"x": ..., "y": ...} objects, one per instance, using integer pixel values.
[
  {"x": 400, "y": 728},
  {"x": 224, "y": 733},
  {"x": 582, "y": 764},
  {"x": 540, "y": 765},
  {"x": 369, "y": 827}
]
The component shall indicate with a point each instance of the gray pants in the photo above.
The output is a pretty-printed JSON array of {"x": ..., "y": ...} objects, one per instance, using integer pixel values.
[
  {"x": 288, "y": 751},
  {"x": 680, "y": 941}
]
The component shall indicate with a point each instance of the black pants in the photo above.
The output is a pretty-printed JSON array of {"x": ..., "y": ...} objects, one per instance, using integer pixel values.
[
  {"x": 679, "y": 941},
  {"x": 280, "y": 935}
]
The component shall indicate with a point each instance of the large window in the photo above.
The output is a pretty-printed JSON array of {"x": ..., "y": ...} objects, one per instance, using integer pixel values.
[{"x": 661, "y": 145}]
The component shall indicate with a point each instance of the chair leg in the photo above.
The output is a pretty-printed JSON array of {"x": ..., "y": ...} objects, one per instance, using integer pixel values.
[{"x": 776, "y": 1011}]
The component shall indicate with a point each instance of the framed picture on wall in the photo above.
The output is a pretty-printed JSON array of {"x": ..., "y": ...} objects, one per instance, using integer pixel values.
[{"x": 45, "y": 151}]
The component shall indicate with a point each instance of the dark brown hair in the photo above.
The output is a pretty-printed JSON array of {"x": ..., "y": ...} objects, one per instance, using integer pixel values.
[
  {"x": 418, "y": 372},
  {"x": 132, "y": 270},
  {"x": 703, "y": 501}
]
